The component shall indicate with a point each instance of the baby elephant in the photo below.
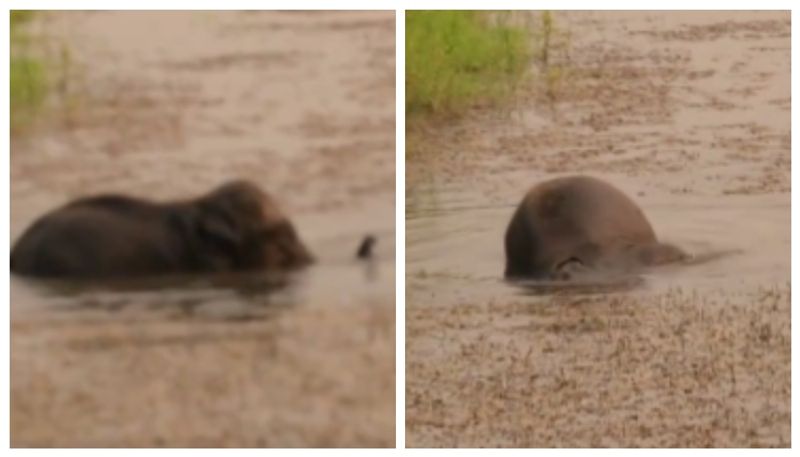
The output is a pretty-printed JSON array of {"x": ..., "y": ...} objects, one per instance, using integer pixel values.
[
  {"x": 236, "y": 227},
  {"x": 577, "y": 224}
]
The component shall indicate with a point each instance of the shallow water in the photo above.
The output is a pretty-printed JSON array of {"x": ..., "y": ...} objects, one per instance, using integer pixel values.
[
  {"x": 168, "y": 105},
  {"x": 298, "y": 133},
  {"x": 455, "y": 236},
  {"x": 658, "y": 105},
  {"x": 688, "y": 113}
]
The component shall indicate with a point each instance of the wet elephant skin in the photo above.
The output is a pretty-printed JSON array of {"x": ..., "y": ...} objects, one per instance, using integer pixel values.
[
  {"x": 577, "y": 224},
  {"x": 235, "y": 227}
]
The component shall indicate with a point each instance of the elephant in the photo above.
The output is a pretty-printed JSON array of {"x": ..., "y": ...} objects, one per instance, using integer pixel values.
[
  {"x": 235, "y": 227},
  {"x": 568, "y": 226}
]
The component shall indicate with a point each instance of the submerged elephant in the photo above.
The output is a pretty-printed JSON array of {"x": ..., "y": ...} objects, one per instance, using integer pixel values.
[
  {"x": 236, "y": 227},
  {"x": 577, "y": 224}
]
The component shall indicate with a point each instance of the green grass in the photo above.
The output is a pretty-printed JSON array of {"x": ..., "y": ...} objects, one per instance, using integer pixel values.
[
  {"x": 19, "y": 17},
  {"x": 456, "y": 59},
  {"x": 28, "y": 74},
  {"x": 28, "y": 89}
]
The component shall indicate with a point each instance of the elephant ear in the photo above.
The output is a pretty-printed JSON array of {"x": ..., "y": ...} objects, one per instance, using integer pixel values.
[{"x": 220, "y": 230}]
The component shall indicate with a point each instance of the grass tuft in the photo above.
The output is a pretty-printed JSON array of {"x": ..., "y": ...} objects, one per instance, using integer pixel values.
[
  {"x": 28, "y": 74},
  {"x": 455, "y": 59}
]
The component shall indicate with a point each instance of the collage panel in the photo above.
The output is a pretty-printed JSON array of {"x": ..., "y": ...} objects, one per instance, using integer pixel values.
[
  {"x": 202, "y": 227},
  {"x": 598, "y": 210},
  {"x": 595, "y": 236}
]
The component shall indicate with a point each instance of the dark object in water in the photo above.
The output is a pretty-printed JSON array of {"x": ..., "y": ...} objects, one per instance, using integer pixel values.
[
  {"x": 365, "y": 249},
  {"x": 568, "y": 226},
  {"x": 236, "y": 227}
]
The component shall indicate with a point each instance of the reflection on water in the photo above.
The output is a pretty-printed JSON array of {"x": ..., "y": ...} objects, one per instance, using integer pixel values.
[
  {"x": 581, "y": 287},
  {"x": 229, "y": 296},
  {"x": 232, "y": 296}
]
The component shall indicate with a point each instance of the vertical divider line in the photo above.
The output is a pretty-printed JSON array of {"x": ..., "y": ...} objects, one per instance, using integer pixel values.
[{"x": 400, "y": 228}]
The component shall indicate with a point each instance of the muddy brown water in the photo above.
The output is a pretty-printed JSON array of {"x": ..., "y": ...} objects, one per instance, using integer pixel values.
[
  {"x": 689, "y": 114},
  {"x": 168, "y": 105},
  {"x": 456, "y": 238}
]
